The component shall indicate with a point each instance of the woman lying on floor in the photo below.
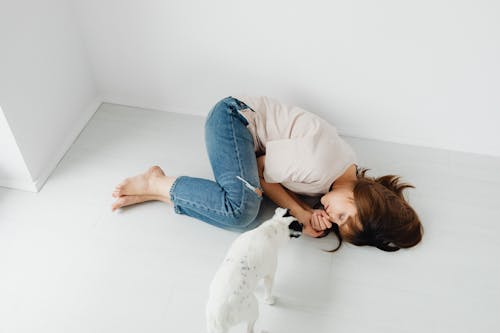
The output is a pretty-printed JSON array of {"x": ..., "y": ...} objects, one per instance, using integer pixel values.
[{"x": 258, "y": 146}]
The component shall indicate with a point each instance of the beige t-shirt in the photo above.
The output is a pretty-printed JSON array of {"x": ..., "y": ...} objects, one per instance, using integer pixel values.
[{"x": 303, "y": 152}]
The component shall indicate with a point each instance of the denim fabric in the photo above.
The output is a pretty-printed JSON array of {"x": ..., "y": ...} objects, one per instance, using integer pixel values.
[{"x": 229, "y": 202}]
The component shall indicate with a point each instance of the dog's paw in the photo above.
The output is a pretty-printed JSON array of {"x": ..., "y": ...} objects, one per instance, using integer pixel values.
[{"x": 270, "y": 300}]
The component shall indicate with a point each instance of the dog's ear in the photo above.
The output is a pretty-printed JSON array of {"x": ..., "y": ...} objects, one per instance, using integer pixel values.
[{"x": 287, "y": 213}]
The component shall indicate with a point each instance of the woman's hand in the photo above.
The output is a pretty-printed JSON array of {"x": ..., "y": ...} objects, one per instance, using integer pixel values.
[
  {"x": 285, "y": 198},
  {"x": 320, "y": 220},
  {"x": 305, "y": 217}
]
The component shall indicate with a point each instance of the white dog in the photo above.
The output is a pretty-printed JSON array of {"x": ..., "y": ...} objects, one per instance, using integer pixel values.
[{"x": 251, "y": 257}]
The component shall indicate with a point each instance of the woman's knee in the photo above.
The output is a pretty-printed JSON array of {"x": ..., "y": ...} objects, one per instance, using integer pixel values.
[
  {"x": 242, "y": 219},
  {"x": 222, "y": 106},
  {"x": 217, "y": 114}
]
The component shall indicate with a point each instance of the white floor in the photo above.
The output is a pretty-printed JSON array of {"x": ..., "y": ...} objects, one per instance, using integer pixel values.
[{"x": 68, "y": 264}]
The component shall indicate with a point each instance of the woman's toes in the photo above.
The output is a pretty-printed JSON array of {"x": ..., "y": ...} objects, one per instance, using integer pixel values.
[
  {"x": 117, "y": 204},
  {"x": 118, "y": 192},
  {"x": 141, "y": 184},
  {"x": 137, "y": 185},
  {"x": 120, "y": 187},
  {"x": 126, "y": 200}
]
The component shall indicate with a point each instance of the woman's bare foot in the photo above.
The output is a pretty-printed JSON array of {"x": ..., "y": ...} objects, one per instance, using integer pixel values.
[
  {"x": 128, "y": 200},
  {"x": 150, "y": 185}
]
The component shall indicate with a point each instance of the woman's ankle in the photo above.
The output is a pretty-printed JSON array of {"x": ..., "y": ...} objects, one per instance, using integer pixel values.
[{"x": 161, "y": 187}]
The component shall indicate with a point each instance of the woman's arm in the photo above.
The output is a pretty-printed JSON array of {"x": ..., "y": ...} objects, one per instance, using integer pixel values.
[{"x": 284, "y": 198}]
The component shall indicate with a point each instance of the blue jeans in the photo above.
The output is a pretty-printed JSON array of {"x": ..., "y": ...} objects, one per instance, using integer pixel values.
[{"x": 229, "y": 202}]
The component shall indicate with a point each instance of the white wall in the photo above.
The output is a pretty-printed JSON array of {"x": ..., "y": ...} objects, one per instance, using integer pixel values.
[
  {"x": 46, "y": 88},
  {"x": 420, "y": 72}
]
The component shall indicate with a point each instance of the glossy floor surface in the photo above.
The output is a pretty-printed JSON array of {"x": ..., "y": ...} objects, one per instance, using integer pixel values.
[{"x": 69, "y": 264}]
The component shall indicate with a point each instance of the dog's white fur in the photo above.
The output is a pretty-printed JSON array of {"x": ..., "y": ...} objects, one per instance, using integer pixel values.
[{"x": 251, "y": 257}]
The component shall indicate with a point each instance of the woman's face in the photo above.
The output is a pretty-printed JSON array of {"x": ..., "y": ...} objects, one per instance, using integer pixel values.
[{"x": 339, "y": 205}]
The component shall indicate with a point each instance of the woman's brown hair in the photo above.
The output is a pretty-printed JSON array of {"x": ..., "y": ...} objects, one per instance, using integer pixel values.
[{"x": 386, "y": 220}]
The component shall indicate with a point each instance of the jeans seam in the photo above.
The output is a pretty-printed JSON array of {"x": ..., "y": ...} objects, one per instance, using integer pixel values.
[{"x": 243, "y": 193}]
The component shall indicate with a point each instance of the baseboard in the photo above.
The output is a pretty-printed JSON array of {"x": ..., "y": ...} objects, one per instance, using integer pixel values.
[
  {"x": 488, "y": 149},
  {"x": 445, "y": 145},
  {"x": 75, "y": 131},
  {"x": 148, "y": 105}
]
